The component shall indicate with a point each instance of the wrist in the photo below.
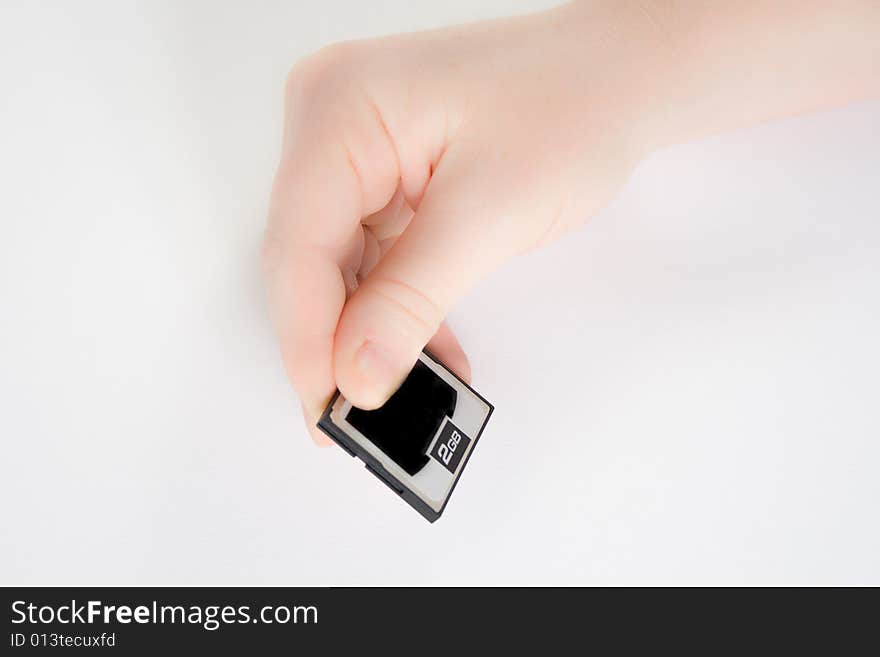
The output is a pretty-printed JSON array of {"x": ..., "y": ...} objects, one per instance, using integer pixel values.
[
  {"x": 636, "y": 49},
  {"x": 712, "y": 67}
]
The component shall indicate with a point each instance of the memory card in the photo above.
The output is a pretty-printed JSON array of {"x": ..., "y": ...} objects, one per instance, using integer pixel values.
[{"x": 420, "y": 440}]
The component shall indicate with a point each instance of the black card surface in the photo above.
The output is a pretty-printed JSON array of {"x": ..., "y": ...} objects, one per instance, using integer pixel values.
[{"x": 419, "y": 441}]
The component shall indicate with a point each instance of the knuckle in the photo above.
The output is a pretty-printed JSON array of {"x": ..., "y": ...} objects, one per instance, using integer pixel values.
[
  {"x": 323, "y": 74},
  {"x": 409, "y": 304}
]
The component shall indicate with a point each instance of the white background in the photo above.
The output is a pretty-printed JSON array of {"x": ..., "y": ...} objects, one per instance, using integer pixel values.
[{"x": 686, "y": 390}]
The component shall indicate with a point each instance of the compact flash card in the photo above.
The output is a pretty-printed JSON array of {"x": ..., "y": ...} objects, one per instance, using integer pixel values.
[{"x": 418, "y": 442}]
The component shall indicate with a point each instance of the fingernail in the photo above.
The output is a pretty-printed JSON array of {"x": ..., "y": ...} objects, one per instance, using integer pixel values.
[{"x": 377, "y": 370}]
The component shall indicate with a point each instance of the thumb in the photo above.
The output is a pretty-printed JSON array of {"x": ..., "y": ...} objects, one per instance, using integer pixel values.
[{"x": 450, "y": 243}]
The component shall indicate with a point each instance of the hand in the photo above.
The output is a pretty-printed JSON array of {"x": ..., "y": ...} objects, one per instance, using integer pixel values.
[{"x": 413, "y": 165}]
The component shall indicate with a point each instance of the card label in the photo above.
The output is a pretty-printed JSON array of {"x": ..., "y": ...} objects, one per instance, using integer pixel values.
[{"x": 450, "y": 446}]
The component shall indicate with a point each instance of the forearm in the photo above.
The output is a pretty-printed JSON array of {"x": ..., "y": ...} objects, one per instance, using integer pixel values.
[{"x": 723, "y": 65}]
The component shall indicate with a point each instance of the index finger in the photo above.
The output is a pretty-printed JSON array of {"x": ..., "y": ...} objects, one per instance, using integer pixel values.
[{"x": 322, "y": 190}]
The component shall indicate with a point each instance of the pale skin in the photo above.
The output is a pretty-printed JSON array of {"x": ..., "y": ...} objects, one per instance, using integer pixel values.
[{"x": 413, "y": 165}]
